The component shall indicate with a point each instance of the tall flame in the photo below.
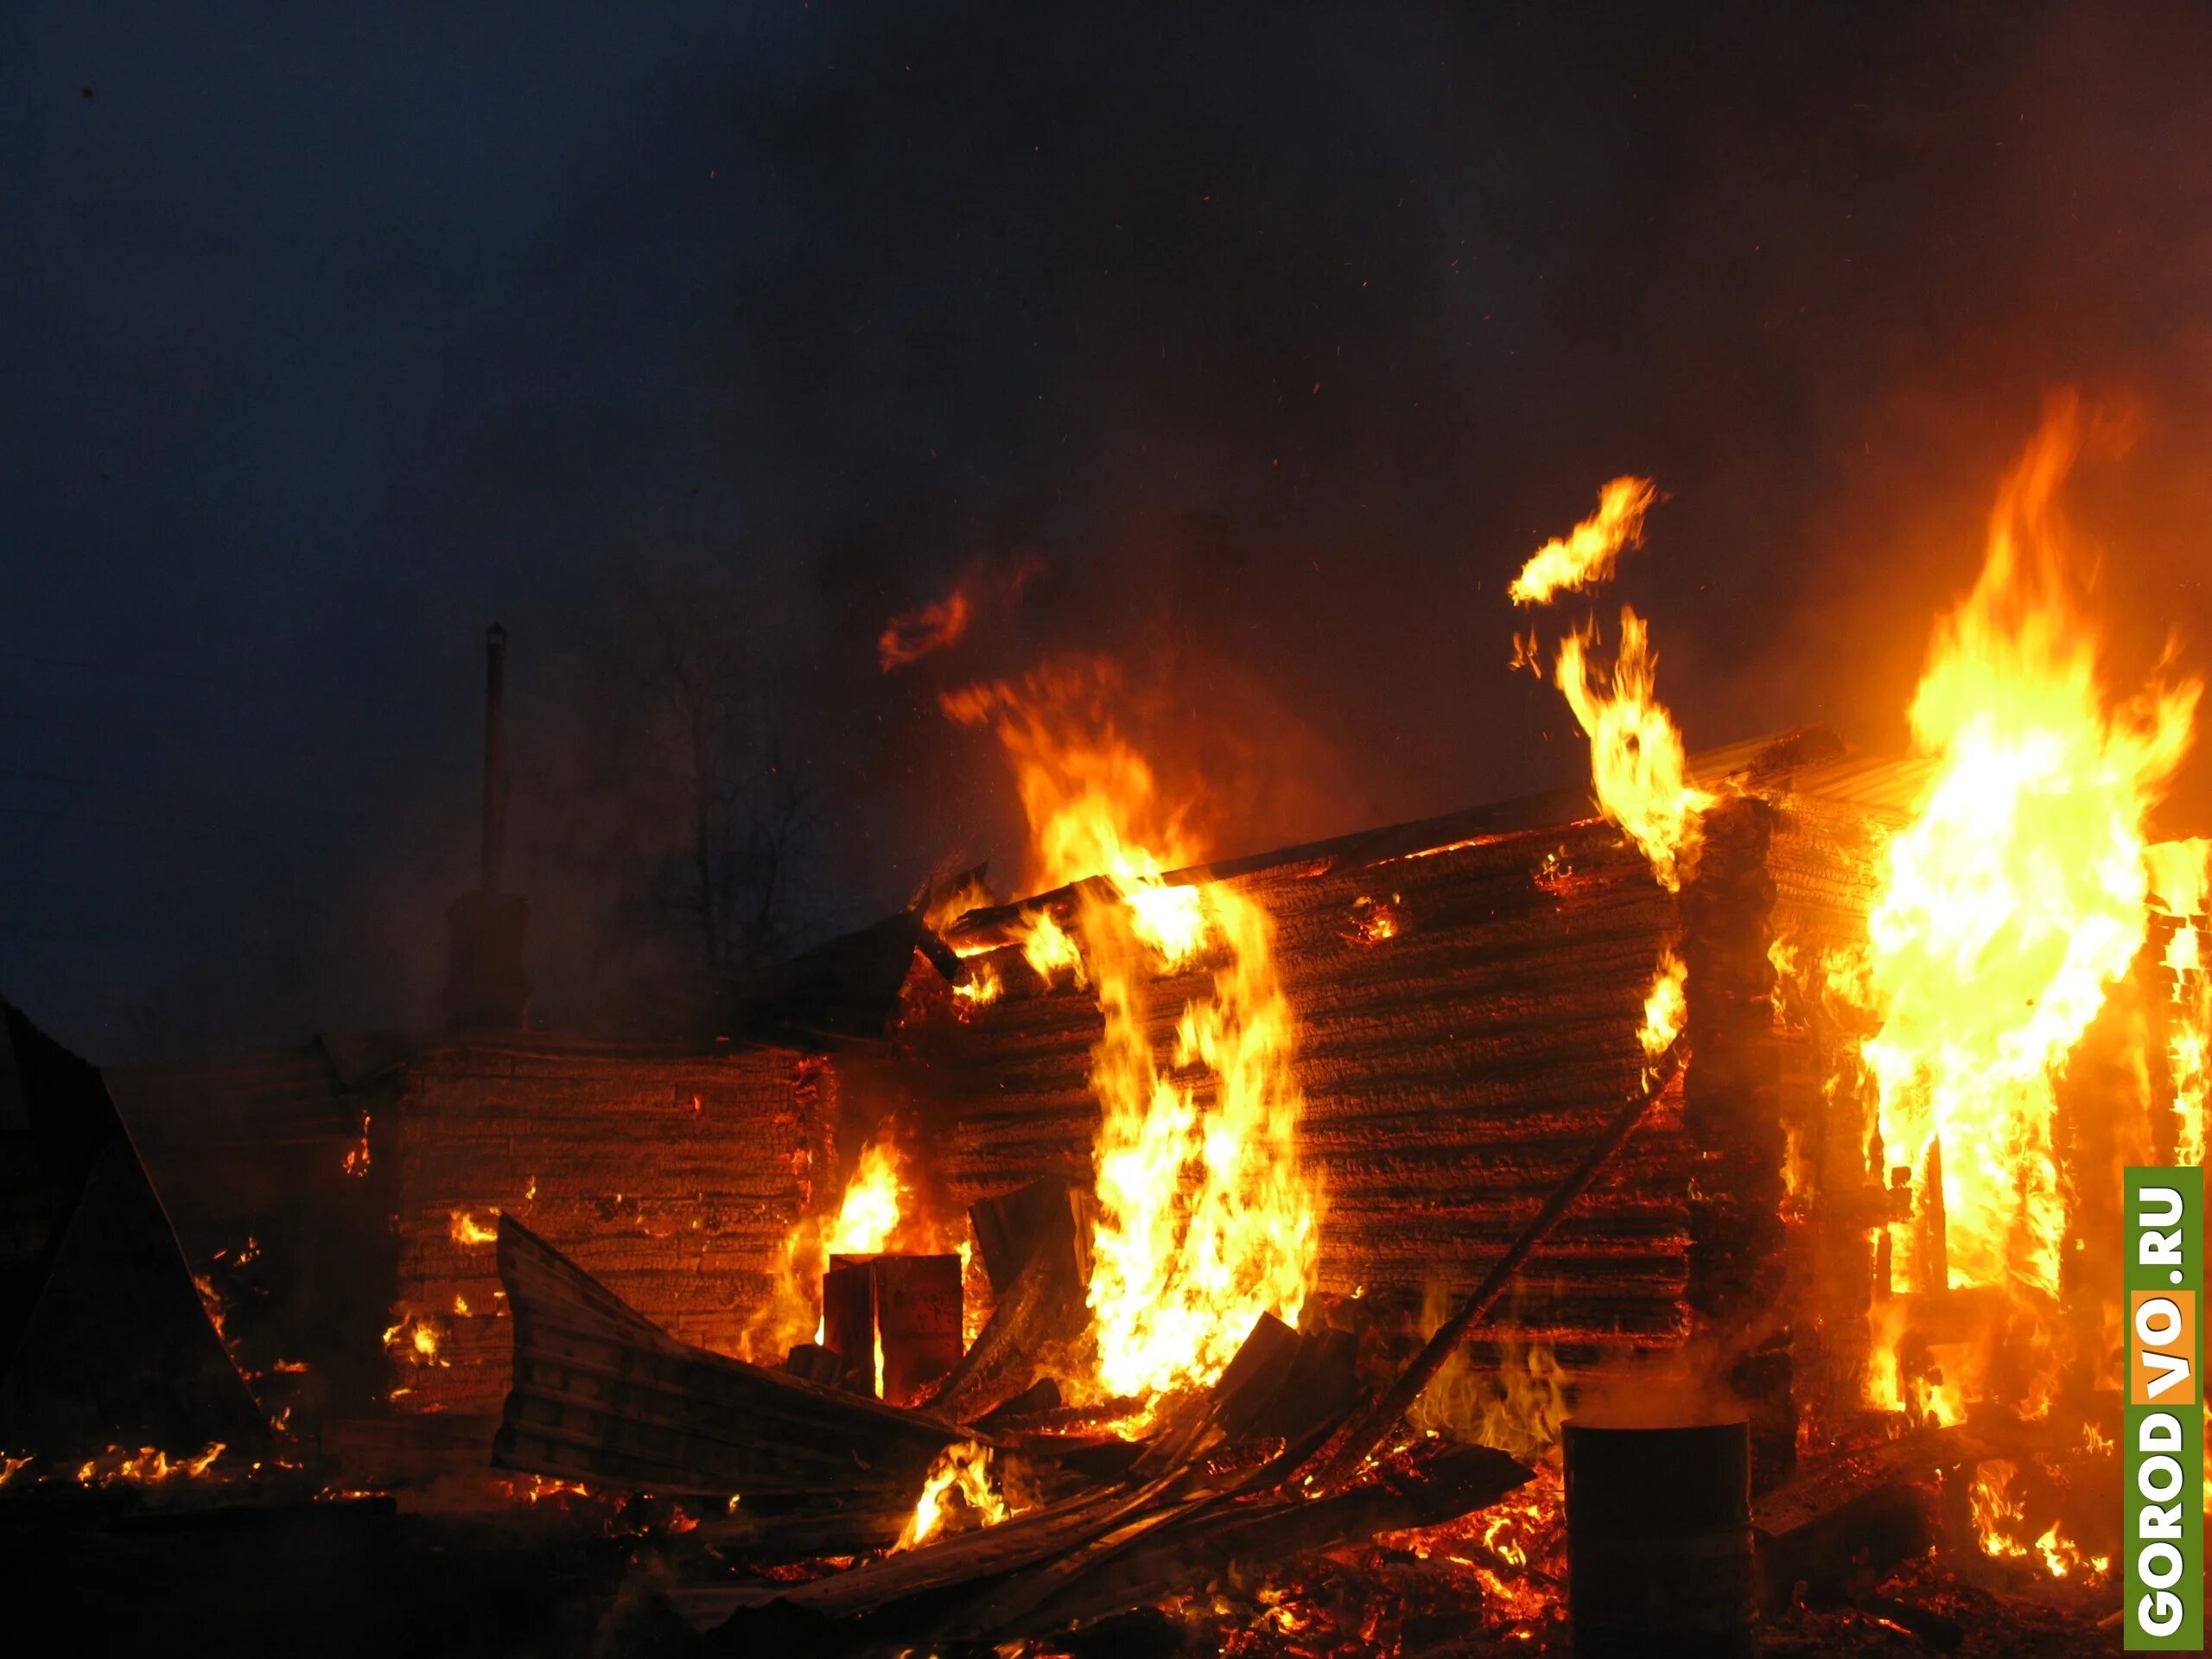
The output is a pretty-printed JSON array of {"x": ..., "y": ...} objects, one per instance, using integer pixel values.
[
  {"x": 2017, "y": 893},
  {"x": 875, "y": 1214},
  {"x": 1205, "y": 1219},
  {"x": 1584, "y": 555},
  {"x": 869, "y": 1212},
  {"x": 1637, "y": 766}
]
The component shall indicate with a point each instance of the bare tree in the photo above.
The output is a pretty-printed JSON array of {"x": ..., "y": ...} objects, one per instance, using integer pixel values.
[{"x": 711, "y": 823}]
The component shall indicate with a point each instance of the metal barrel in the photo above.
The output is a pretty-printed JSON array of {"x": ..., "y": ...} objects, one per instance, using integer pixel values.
[{"x": 1659, "y": 1542}]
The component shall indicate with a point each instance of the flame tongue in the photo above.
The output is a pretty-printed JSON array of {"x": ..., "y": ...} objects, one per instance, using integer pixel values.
[
  {"x": 1584, "y": 555},
  {"x": 2017, "y": 893},
  {"x": 870, "y": 1211},
  {"x": 1205, "y": 1219},
  {"x": 1637, "y": 766}
]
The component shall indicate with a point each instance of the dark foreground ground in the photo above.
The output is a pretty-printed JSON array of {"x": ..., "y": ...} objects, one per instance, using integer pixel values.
[{"x": 113, "y": 1573}]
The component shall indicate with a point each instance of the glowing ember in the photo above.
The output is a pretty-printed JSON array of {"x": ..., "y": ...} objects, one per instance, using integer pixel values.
[
  {"x": 1205, "y": 1219},
  {"x": 960, "y": 1472},
  {"x": 1585, "y": 554},
  {"x": 1637, "y": 766},
  {"x": 2017, "y": 893},
  {"x": 1375, "y": 921},
  {"x": 11, "y": 1467},
  {"x": 464, "y": 1229},
  {"x": 980, "y": 989},
  {"x": 148, "y": 1466},
  {"x": 415, "y": 1337},
  {"x": 357, "y": 1155}
]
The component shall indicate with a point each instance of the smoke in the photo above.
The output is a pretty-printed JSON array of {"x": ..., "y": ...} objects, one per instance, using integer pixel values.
[{"x": 1280, "y": 337}]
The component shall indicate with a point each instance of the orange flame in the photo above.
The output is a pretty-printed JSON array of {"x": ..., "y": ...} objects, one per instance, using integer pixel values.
[
  {"x": 416, "y": 1338},
  {"x": 1637, "y": 766},
  {"x": 2017, "y": 893},
  {"x": 944, "y": 622},
  {"x": 873, "y": 1215},
  {"x": 962, "y": 1470},
  {"x": 940, "y": 623},
  {"x": 356, "y": 1161},
  {"x": 1585, "y": 554},
  {"x": 1666, "y": 1006},
  {"x": 869, "y": 1212},
  {"x": 1205, "y": 1219},
  {"x": 980, "y": 989},
  {"x": 148, "y": 1466},
  {"x": 464, "y": 1229}
]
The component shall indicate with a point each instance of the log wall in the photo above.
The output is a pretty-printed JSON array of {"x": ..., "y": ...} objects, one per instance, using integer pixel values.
[
  {"x": 1824, "y": 856},
  {"x": 1451, "y": 1074},
  {"x": 670, "y": 1175}
]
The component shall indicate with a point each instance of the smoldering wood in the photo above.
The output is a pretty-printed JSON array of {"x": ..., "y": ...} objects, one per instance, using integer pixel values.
[
  {"x": 1846, "y": 1515},
  {"x": 1042, "y": 1396},
  {"x": 845, "y": 990},
  {"x": 1738, "y": 1259},
  {"x": 1254, "y": 1380},
  {"x": 814, "y": 1362},
  {"x": 1261, "y": 1534},
  {"x": 254, "y": 1145},
  {"x": 878, "y": 1589},
  {"x": 603, "y": 1396},
  {"x": 1029, "y": 1240},
  {"x": 1939, "y": 1630},
  {"x": 1012, "y": 1227},
  {"x": 918, "y": 1317},
  {"x": 672, "y": 1170},
  {"x": 1369, "y": 1431},
  {"x": 748, "y": 1534},
  {"x": 849, "y": 1322}
]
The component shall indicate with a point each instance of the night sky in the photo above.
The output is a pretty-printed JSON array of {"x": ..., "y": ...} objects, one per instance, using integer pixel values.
[{"x": 1273, "y": 337}]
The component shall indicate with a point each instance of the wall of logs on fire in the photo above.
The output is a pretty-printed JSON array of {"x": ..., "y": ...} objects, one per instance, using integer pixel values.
[
  {"x": 1467, "y": 1019},
  {"x": 1823, "y": 856}
]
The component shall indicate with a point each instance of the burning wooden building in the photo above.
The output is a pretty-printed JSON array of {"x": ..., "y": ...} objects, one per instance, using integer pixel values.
[{"x": 1766, "y": 1102}]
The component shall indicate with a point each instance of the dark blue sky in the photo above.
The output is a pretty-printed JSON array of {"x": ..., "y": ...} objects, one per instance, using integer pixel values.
[{"x": 1278, "y": 335}]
